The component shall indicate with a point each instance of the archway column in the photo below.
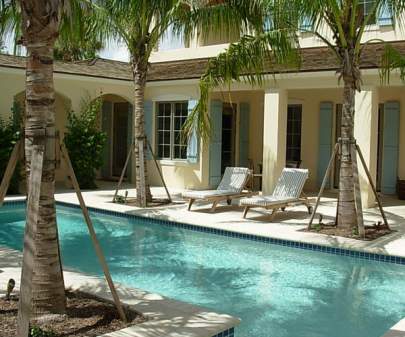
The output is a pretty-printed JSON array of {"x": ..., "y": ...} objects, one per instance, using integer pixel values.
[
  {"x": 274, "y": 136},
  {"x": 366, "y": 134}
]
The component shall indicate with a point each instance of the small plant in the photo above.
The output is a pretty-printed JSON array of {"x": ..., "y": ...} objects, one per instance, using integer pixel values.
[
  {"x": 121, "y": 199},
  {"x": 85, "y": 142},
  {"x": 9, "y": 135},
  {"x": 317, "y": 227},
  {"x": 38, "y": 332}
]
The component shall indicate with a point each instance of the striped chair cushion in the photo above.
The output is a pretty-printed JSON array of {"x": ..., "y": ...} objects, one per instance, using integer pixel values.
[
  {"x": 264, "y": 201},
  {"x": 206, "y": 194},
  {"x": 234, "y": 179},
  {"x": 290, "y": 183}
]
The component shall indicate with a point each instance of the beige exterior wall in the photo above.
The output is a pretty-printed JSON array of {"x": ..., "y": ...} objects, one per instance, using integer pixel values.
[
  {"x": 215, "y": 43},
  {"x": 311, "y": 100}
]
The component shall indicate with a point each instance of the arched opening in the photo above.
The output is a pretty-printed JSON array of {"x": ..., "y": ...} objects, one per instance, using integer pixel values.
[{"x": 116, "y": 122}]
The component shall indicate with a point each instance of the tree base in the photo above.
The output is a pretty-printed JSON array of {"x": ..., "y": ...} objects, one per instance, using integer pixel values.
[{"x": 372, "y": 232}]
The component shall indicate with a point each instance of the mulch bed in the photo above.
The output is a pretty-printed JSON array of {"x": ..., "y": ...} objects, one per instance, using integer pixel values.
[
  {"x": 86, "y": 316},
  {"x": 372, "y": 232}
]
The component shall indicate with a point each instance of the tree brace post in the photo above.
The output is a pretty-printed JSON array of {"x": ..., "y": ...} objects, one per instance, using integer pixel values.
[
  {"x": 93, "y": 235},
  {"x": 8, "y": 174}
]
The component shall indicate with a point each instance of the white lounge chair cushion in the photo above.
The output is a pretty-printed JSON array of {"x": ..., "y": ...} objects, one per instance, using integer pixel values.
[
  {"x": 291, "y": 183},
  {"x": 232, "y": 183},
  {"x": 265, "y": 201},
  {"x": 234, "y": 179},
  {"x": 207, "y": 194},
  {"x": 288, "y": 189}
]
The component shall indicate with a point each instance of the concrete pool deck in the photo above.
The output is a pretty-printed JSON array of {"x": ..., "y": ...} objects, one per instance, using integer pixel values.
[
  {"x": 287, "y": 225},
  {"x": 166, "y": 317}
]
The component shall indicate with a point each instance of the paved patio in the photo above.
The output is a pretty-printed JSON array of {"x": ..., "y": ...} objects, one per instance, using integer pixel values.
[{"x": 286, "y": 225}]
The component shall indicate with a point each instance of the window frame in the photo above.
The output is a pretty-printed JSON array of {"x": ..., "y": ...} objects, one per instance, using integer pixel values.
[
  {"x": 364, "y": 5},
  {"x": 171, "y": 130}
]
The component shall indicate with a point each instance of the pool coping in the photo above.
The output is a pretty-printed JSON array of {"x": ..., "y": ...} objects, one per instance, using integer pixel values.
[
  {"x": 165, "y": 317},
  {"x": 360, "y": 253},
  {"x": 398, "y": 330}
]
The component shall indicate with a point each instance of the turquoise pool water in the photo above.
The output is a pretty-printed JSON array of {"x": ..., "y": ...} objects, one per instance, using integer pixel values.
[{"x": 276, "y": 291}]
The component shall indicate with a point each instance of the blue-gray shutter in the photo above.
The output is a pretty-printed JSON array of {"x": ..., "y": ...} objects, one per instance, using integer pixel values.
[
  {"x": 244, "y": 134},
  {"x": 192, "y": 146},
  {"x": 325, "y": 139},
  {"x": 389, "y": 172},
  {"x": 148, "y": 113},
  {"x": 215, "y": 146},
  {"x": 106, "y": 126},
  {"x": 385, "y": 17},
  {"x": 268, "y": 24},
  {"x": 130, "y": 137},
  {"x": 305, "y": 24}
]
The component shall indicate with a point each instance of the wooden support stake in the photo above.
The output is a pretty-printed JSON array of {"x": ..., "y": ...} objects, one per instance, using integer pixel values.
[
  {"x": 25, "y": 302},
  {"x": 142, "y": 189},
  {"x": 123, "y": 170},
  {"x": 325, "y": 179},
  {"x": 159, "y": 171},
  {"x": 92, "y": 232},
  {"x": 8, "y": 174},
  {"x": 57, "y": 149},
  {"x": 357, "y": 192},
  {"x": 370, "y": 180}
]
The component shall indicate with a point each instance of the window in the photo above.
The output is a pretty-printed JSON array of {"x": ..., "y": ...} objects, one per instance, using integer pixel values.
[
  {"x": 170, "y": 119},
  {"x": 365, "y": 8},
  {"x": 294, "y": 120},
  {"x": 171, "y": 40}
]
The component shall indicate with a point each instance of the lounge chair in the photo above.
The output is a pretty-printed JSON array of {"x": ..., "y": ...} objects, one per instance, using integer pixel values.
[
  {"x": 287, "y": 192},
  {"x": 231, "y": 186}
]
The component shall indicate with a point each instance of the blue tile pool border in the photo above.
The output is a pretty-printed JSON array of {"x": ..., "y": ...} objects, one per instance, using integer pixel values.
[
  {"x": 226, "y": 333},
  {"x": 268, "y": 240}
]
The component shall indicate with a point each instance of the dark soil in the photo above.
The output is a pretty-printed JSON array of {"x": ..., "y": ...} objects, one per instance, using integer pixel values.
[
  {"x": 372, "y": 232},
  {"x": 86, "y": 316}
]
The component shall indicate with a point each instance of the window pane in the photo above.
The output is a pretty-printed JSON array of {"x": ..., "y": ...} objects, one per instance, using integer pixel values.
[
  {"x": 364, "y": 8},
  {"x": 170, "y": 142},
  {"x": 294, "y": 122},
  {"x": 180, "y": 143},
  {"x": 163, "y": 131}
]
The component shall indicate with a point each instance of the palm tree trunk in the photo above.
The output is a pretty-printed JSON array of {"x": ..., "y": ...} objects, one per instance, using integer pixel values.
[
  {"x": 40, "y": 27},
  {"x": 347, "y": 216},
  {"x": 139, "y": 70}
]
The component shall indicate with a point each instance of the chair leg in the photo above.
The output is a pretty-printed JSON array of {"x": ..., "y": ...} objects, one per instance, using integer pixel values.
[
  {"x": 245, "y": 211},
  {"x": 229, "y": 202},
  {"x": 191, "y": 201},
  {"x": 214, "y": 206},
  {"x": 273, "y": 214},
  {"x": 307, "y": 203}
]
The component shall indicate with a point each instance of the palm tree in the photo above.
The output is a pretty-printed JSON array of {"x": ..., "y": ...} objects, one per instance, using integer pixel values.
[
  {"x": 36, "y": 25},
  {"x": 341, "y": 25},
  {"x": 141, "y": 25}
]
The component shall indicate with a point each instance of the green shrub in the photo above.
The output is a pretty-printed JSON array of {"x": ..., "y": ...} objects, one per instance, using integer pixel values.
[
  {"x": 38, "y": 332},
  {"x": 85, "y": 142},
  {"x": 9, "y": 135}
]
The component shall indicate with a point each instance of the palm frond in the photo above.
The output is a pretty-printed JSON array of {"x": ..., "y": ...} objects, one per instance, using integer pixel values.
[{"x": 392, "y": 60}]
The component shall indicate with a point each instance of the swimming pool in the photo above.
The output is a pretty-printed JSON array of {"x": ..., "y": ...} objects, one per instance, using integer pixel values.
[{"x": 277, "y": 291}]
